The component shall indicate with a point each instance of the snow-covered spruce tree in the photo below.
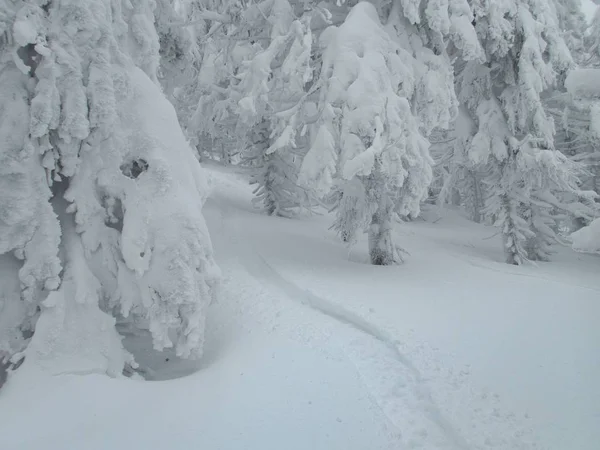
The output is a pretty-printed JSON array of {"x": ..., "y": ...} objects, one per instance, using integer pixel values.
[
  {"x": 572, "y": 110},
  {"x": 382, "y": 89},
  {"x": 461, "y": 178},
  {"x": 272, "y": 86},
  {"x": 592, "y": 42},
  {"x": 581, "y": 109},
  {"x": 100, "y": 196},
  {"x": 447, "y": 29},
  {"x": 576, "y": 112},
  {"x": 513, "y": 140},
  {"x": 211, "y": 126},
  {"x": 189, "y": 31},
  {"x": 179, "y": 50},
  {"x": 252, "y": 89},
  {"x": 572, "y": 25},
  {"x": 581, "y": 122}
]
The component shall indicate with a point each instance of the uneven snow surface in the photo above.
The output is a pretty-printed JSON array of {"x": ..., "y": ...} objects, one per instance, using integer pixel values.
[
  {"x": 587, "y": 239},
  {"x": 309, "y": 347},
  {"x": 583, "y": 83}
]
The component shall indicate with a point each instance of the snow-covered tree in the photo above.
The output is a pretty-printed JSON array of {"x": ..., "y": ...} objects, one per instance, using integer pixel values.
[
  {"x": 383, "y": 88},
  {"x": 460, "y": 178},
  {"x": 573, "y": 105},
  {"x": 592, "y": 42},
  {"x": 582, "y": 122},
  {"x": 581, "y": 110},
  {"x": 178, "y": 48},
  {"x": 100, "y": 196},
  {"x": 525, "y": 178},
  {"x": 572, "y": 25},
  {"x": 252, "y": 92}
]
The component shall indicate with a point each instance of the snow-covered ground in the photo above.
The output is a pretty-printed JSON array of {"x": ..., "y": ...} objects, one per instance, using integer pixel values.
[{"x": 309, "y": 347}]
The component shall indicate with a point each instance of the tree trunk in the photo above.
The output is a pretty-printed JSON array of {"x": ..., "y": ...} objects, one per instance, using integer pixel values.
[
  {"x": 455, "y": 198},
  {"x": 511, "y": 238},
  {"x": 596, "y": 179},
  {"x": 381, "y": 248},
  {"x": 477, "y": 197}
]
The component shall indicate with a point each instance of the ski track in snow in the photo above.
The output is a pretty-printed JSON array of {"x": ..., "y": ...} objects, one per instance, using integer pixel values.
[
  {"x": 432, "y": 407},
  {"x": 390, "y": 377},
  {"x": 265, "y": 271}
]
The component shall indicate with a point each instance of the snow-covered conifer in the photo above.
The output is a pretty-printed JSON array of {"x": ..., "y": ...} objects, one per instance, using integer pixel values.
[
  {"x": 514, "y": 137},
  {"x": 592, "y": 42},
  {"x": 179, "y": 50},
  {"x": 460, "y": 176},
  {"x": 572, "y": 25},
  {"x": 100, "y": 195},
  {"x": 252, "y": 85},
  {"x": 383, "y": 89},
  {"x": 581, "y": 123},
  {"x": 572, "y": 105},
  {"x": 366, "y": 131}
]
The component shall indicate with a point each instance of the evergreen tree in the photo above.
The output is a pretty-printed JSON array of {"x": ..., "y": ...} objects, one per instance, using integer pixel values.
[
  {"x": 253, "y": 84},
  {"x": 592, "y": 43},
  {"x": 514, "y": 137},
  {"x": 101, "y": 197},
  {"x": 383, "y": 88},
  {"x": 461, "y": 178},
  {"x": 179, "y": 50},
  {"x": 572, "y": 25},
  {"x": 572, "y": 108},
  {"x": 581, "y": 123}
]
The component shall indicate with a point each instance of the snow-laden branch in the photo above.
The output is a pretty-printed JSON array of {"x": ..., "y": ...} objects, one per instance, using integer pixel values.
[{"x": 202, "y": 17}]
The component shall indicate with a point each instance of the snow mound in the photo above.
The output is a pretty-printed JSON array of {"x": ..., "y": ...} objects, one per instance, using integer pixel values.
[
  {"x": 587, "y": 239},
  {"x": 584, "y": 83}
]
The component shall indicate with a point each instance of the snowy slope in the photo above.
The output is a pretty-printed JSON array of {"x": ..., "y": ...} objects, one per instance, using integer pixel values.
[{"x": 311, "y": 348}]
